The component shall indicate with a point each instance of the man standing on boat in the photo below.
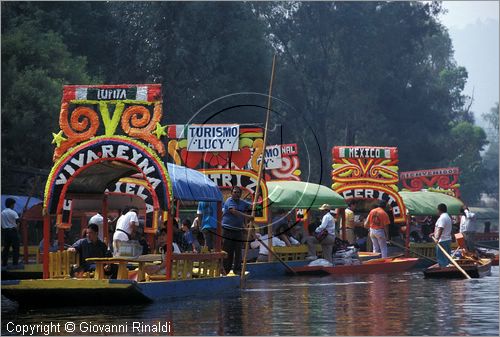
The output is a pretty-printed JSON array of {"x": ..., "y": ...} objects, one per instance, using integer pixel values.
[
  {"x": 442, "y": 234},
  {"x": 10, "y": 237},
  {"x": 327, "y": 241},
  {"x": 234, "y": 217},
  {"x": 378, "y": 222},
  {"x": 467, "y": 227},
  {"x": 350, "y": 222},
  {"x": 126, "y": 227},
  {"x": 207, "y": 218}
]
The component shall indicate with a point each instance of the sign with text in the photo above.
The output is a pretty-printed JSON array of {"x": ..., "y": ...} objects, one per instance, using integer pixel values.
[
  {"x": 213, "y": 138},
  {"x": 272, "y": 157},
  {"x": 430, "y": 173},
  {"x": 365, "y": 152}
]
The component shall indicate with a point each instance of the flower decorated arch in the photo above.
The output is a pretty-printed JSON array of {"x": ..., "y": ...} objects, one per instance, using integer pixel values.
[
  {"x": 90, "y": 167},
  {"x": 368, "y": 173}
]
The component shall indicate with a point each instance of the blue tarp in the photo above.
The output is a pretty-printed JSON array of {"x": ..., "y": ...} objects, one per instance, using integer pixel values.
[
  {"x": 20, "y": 202},
  {"x": 191, "y": 185}
]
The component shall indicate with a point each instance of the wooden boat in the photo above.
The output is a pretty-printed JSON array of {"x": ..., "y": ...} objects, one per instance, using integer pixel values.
[
  {"x": 475, "y": 268},
  {"x": 60, "y": 292},
  {"x": 382, "y": 265},
  {"x": 294, "y": 257}
]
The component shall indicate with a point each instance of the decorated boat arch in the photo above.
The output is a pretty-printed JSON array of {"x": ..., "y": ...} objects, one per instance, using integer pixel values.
[
  {"x": 244, "y": 153},
  {"x": 368, "y": 173},
  {"x": 443, "y": 180},
  {"x": 107, "y": 132}
]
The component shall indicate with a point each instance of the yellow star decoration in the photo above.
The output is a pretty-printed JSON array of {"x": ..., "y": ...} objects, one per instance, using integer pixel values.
[
  {"x": 160, "y": 130},
  {"x": 58, "y": 138}
]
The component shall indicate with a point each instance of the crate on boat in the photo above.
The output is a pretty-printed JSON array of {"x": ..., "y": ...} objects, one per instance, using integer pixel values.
[{"x": 128, "y": 248}]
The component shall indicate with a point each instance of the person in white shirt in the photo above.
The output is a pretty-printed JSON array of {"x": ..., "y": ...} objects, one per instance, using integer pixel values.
[
  {"x": 126, "y": 227},
  {"x": 263, "y": 252},
  {"x": 442, "y": 233},
  {"x": 467, "y": 227},
  {"x": 10, "y": 237},
  {"x": 328, "y": 224}
]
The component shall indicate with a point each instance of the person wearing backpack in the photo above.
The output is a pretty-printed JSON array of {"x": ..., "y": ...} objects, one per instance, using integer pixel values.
[
  {"x": 378, "y": 222},
  {"x": 467, "y": 227}
]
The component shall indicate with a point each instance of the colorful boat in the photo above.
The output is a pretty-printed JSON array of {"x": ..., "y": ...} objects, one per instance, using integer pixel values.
[
  {"x": 291, "y": 195},
  {"x": 387, "y": 265},
  {"x": 86, "y": 165},
  {"x": 475, "y": 269},
  {"x": 59, "y": 292}
]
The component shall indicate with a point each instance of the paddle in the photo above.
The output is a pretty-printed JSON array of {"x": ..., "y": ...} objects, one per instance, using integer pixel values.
[
  {"x": 411, "y": 251},
  {"x": 451, "y": 259}
]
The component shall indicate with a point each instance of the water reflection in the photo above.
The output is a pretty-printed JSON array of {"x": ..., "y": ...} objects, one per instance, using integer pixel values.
[{"x": 400, "y": 304}]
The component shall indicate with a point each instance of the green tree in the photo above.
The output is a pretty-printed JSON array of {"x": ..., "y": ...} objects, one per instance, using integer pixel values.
[
  {"x": 372, "y": 73},
  {"x": 491, "y": 157},
  {"x": 464, "y": 146},
  {"x": 35, "y": 65}
]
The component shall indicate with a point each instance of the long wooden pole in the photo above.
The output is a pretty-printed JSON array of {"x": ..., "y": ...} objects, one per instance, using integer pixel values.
[
  {"x": 261, "y": 166},
  {"x": 451, "y": 259}
]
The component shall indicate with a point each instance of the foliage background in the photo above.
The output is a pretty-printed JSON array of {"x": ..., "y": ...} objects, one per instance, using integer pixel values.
[{"x": 358, "y": 73}]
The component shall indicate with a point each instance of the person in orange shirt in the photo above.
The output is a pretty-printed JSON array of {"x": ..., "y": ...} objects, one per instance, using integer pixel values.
[{"x": 378, "y": 222}]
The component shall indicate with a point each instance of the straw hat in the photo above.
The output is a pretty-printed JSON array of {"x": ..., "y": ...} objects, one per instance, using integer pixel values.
[{"x": 325, "y": 207}]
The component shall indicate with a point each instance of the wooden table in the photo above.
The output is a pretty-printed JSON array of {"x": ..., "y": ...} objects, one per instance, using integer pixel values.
[{"x": 122, "y": 263}]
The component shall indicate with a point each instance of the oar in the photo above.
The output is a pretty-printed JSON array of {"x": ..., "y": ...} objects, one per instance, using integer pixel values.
[
  {"x": 412, "y": 251},
  {"x": 451, "y": 259}
]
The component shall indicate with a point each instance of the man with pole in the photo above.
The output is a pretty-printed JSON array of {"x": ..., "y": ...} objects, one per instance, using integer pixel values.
[
  {"x": 442, "y": 234},
  {"x": 233, "y": 224}
]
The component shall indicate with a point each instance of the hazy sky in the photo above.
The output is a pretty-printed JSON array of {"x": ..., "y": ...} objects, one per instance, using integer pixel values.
[
  {"x": 461, "y": 13},
  {"x": 474, "y": 30}
]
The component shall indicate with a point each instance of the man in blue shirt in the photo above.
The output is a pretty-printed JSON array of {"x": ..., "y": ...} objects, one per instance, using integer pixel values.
[
  {"x": 207, "y": 218},
  {"x": 234, "y": 217}
]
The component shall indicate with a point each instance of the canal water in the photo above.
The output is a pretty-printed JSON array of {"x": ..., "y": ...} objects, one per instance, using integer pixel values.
[{"x": 397, "y": 304}]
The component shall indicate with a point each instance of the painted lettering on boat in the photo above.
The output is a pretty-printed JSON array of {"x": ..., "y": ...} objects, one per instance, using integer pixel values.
[
  {"x": 119, "y": 151},
  {"x": 361, "y": 193},
  {"x": 134, "y": 189}
]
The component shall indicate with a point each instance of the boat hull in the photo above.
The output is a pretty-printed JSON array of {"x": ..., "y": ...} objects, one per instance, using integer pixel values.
[
  {"x": 388, "y": 265},
  {"x": 78, "y": 292},
  {"x": 474, "y": 271}
]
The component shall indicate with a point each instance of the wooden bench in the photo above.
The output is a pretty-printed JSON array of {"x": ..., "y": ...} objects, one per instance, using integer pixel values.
[
  {"x": 60, "y": 263},
  {"x": 184, "y": 266},
  {"x": 294, "y": 253},
  {"x": 194, "y": 265}
]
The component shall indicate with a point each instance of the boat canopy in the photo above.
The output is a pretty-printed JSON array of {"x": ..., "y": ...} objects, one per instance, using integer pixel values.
[
  {"x": 300, "y": 194},
  {"x": 425, "y": 203},
  {"x": 21, "y": 202},
  {"x": 191, "y": 185}
]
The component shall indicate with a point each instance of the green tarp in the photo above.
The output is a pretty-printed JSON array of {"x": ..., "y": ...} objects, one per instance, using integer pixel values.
[
  {"x": 425, "y": 203},
  {"x": 299, "y": 194}
]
